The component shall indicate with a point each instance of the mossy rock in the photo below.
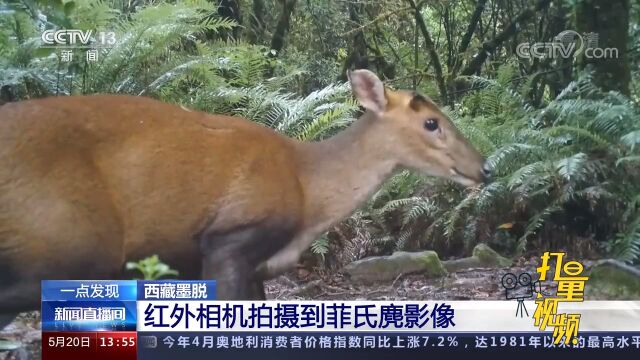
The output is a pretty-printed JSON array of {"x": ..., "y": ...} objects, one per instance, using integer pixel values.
[
  {"x": 488, "y": 256},
  {"x": 483, "y": 257},
  {"x": 612, "y": 279},
  {"x": 386, "y": 268},
  {"x": 456, "y": 265}
]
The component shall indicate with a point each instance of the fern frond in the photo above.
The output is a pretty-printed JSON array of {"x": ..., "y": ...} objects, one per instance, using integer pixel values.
[{"x": 536, "y": 223}]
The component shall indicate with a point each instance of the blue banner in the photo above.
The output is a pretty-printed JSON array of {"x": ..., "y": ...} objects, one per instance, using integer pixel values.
[
  {"x": 110, "y": 305},
  {"x": 89, "y": 290},
  {"x": 89, "y": 316}
]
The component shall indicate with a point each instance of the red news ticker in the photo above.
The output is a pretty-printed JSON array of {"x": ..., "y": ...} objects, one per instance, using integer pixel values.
[{"x": 103, "y": 345}]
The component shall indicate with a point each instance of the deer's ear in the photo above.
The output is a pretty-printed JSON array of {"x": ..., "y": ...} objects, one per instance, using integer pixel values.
[{"x": 368, "y": 89}]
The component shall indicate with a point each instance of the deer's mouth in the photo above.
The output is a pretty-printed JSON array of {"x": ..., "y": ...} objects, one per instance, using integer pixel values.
[{"x": 462, "y": 178}]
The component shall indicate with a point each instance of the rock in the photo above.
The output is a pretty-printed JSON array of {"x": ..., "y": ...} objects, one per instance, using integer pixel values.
[
  {"x": 462, "y": 264},
  {"x": 488, "y": 256},
  {"x": 483, "y": 257},
  {"x": 386, "y": 268},
  {"x": 613, "y": 279}
]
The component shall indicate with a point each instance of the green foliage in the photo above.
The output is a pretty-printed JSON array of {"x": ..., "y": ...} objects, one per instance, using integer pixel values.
[
  {"x": 320, "y": 246},
  {"x": 626, "y": 245},
  {"x": 314, "y": 117},
  {"x": 152, "y": 268},
  {"x": 158, "y": 51}
]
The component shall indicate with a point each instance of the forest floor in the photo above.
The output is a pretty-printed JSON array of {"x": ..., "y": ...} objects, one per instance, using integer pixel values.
[{"x": 472, "y": 284}]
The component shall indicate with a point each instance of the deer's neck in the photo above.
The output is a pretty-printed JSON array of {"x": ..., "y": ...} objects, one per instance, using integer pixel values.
[{"x": 339, "y": 174}]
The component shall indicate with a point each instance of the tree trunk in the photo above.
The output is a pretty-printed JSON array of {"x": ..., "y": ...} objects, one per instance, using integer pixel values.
[
  {"x": 471, "y": 29},
  {"x": 256, "y": 22},
  {"x": 557, "y": 80},
  {"x": 227, "y": 9},
  {"x": 433, "y": 55},
  {"x": 609, "y": 21},
  {"x": 488, "y": 47},
  {"x": 282, "y": 28},
  {"x": 358, "y": 57}
]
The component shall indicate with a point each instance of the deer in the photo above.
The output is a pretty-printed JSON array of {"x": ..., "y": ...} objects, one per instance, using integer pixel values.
[{"x": 89, "y": 182}]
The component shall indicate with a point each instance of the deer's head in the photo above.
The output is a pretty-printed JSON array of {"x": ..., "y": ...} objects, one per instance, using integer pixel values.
[{"x": 412, "y": 129}]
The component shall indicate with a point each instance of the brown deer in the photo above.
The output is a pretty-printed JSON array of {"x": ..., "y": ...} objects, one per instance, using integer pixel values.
[{"x": 90, "y": 182}]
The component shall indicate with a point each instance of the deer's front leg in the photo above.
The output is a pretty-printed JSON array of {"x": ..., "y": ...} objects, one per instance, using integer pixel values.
[
  {"x": 286, "y": 259},
  {"x": 232, "y": 257},
  {"x": 226, "y": 259}
]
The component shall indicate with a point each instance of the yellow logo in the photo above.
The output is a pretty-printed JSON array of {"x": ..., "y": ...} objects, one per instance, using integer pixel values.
[{"x": 570, "y": 289}]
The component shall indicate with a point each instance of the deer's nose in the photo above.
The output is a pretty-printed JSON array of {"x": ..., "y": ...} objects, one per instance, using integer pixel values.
[{"x": 486, "y": 172}]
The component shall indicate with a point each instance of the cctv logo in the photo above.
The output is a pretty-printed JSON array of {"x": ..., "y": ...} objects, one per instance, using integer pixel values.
[
  {"x": 79, "y": 38},
  {"x": 66, "y": 37}
]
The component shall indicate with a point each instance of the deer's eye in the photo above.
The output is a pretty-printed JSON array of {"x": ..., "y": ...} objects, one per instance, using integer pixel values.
[{"x": 431, "y": 124}]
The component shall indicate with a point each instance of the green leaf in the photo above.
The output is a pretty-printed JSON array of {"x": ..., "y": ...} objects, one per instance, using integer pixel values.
[
  {"x": 43, "y": 52},
  {"x": 69, "y": 8},
  {"x": 57, "y": 5},
  {"x": 152, "y": 268},
  {"x": 631, "y": 139}
]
